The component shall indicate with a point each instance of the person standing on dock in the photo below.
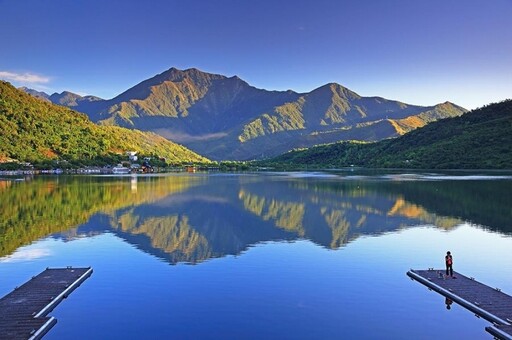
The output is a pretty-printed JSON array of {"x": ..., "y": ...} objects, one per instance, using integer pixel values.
[{"x": 449, "y": 262}]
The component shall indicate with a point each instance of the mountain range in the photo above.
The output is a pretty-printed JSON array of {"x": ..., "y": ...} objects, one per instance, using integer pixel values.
[{"x": 225, "y": 118}]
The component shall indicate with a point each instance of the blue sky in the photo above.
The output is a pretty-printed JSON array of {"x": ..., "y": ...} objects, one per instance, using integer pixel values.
[{"x": 419, "y": 52}]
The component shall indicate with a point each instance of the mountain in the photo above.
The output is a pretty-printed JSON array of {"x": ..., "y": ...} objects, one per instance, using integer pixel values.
[
  {"x": 71, "y": 99},
  {"x": 332, "y": 113},
  {"x": 64, "y": 98},
  {"x": 34, "y": 93},
  {"x": 226, "y": 118},
  {"x": 35, "y": 130},
  {"x": 480, "y": 139}
]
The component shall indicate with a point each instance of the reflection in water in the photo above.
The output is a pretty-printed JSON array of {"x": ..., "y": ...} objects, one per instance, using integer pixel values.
[
  {"x": 133, "y": 183},
  {"x": 286, "y": 215},
  {"x": 26, "y": 255},
  {"x": 33, "y": 209},
  {"x": 403, "y": 208},
  {"x": 448, "y": 303},
  {"x": 194, "y": 218},
  {"x": 171, "y": 234}
]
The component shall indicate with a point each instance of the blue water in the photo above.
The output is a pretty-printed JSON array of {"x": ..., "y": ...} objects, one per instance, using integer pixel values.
[{"x": 290, "y": 256}]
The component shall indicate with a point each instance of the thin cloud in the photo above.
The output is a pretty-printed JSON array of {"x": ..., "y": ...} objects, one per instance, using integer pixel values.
[
  {"x": 29, "y": 78},
  {"x": 184, "y": 137}
]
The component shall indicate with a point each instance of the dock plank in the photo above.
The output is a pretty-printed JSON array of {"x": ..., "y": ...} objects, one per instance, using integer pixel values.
[
  {"x": 489, "y": 303},
  {"x": 25, "y": 328},
  {"x": 24, "y": 310},
  {"x": 500, "y": 331}
]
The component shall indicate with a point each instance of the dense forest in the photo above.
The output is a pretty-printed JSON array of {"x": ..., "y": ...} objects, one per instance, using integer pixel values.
[
  {"x": 480, "y": 139},
  {"x": 37, "y": 131}
]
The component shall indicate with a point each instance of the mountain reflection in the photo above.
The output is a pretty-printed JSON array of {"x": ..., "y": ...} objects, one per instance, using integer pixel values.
[
  {"x": 39, "y": 206},
  {"x": 194, "y": 218}
]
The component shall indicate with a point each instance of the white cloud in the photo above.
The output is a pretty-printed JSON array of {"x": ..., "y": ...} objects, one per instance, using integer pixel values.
[{"x": 29, "y": 78}]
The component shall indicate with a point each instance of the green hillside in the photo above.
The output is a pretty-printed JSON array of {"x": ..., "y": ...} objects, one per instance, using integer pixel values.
[
  {"x": 37, "y": 131},
  {"x": 480, "y": 139}
]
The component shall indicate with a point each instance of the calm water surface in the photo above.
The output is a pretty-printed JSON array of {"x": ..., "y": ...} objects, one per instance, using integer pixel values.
[{"x": 232, "y": 256}]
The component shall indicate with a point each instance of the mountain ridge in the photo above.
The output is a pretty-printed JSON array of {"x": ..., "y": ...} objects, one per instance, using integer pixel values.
[{"x": 225, "y": 118}]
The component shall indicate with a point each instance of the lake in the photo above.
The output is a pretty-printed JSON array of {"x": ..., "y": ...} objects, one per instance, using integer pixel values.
[{"x": 259, "y": 255}]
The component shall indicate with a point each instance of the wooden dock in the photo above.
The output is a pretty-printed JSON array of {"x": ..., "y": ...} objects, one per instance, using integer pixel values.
[
  {"x": 24, "y": 311},
  {"x": 486, "y": 302}
]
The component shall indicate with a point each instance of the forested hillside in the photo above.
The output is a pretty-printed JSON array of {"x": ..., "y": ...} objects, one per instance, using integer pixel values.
[
  {"x": 480, "y": 139},
  {"x": 36, "y": 131}
]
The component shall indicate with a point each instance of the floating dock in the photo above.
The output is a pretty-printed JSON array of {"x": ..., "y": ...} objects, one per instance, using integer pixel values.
[
  {"x": 24, "y": 311},
  {"x": 486, "y": 302}
]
